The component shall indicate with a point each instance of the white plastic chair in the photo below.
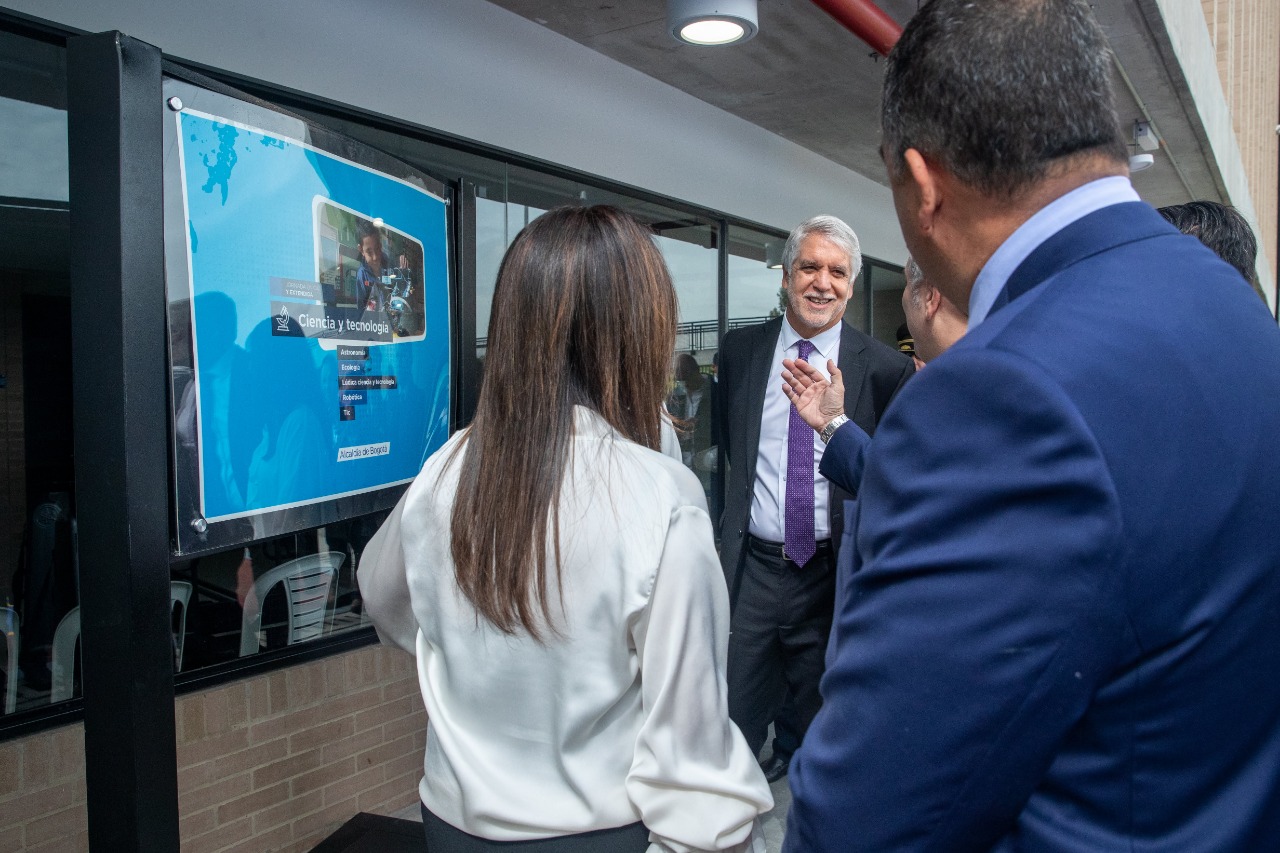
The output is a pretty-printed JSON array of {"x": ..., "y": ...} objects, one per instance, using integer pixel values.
[
  {"x": 9, "y": 624},
  {"x": 306, "y": 581},
  {"x": 64, "y": 657},
  {"x": 65, "y": 638},
  {"x": 180, "y": 593}
]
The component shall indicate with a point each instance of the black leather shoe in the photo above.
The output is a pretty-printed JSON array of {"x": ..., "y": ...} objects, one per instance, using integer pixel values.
[{"x": 775, "y": 767}]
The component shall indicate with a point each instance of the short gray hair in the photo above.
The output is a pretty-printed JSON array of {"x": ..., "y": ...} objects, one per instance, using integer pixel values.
[
  {"x": 915, "y": 278},
  {"x": 913, "y": 273},
  {"x": 833, "y": 229}
]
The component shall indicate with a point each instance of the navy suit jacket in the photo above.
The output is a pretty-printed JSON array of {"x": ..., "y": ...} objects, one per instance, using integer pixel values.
[{"x": 1061, "y": 627}]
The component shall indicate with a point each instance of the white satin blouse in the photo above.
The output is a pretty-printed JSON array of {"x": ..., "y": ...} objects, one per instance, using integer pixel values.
[{"x": 621, "y": 718}]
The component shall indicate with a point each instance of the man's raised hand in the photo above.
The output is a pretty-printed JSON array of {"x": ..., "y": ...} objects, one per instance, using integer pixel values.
[{"x": 816, "y": 398}]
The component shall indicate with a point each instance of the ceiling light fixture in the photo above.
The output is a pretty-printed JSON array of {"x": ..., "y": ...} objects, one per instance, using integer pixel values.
[
  {"x": 1144, "y": 137},
  {"x": 1139, "y": 162},
  {"x": 712, "y": 22}
]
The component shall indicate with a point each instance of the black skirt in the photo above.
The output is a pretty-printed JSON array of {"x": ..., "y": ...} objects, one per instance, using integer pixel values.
[{"x": 445, "y": 838}]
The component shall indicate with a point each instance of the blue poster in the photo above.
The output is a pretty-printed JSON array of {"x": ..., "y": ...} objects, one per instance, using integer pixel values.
[{"x": 319, "y": 321}]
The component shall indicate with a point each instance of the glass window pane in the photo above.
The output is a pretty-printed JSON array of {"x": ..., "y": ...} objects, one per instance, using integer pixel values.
[
  {"x": 33, "y": 120},
  {"x": 39, "y": 578},
  {"x": 497, "y": 224},
  {"x": 887, "y": 316},
  {"x": 755, "y": 277},
  {"x": 693, "y": 259},
  {"x": 856, "y": 314},
  {"x": 493, "y": 236},
  {"x": 273, "y": 594}
]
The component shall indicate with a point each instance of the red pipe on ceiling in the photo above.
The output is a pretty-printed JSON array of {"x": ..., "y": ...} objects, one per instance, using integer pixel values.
[{"x": 865, "y": 20}]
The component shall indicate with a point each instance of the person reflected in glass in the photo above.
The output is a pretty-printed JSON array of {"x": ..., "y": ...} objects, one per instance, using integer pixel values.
[
  {"x": 556, "y": 577},
  {"x": 282, "y": 424},
  {"x": 688, "y": 403}
]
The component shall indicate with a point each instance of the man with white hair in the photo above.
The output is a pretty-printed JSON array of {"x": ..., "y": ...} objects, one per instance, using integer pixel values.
[
  {"x": 934, "y": 320},
  {"x": 781, "y": 516}
]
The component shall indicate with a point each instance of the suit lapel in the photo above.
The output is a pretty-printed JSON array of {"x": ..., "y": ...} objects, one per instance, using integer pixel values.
[{"x": 852, "y": 366}]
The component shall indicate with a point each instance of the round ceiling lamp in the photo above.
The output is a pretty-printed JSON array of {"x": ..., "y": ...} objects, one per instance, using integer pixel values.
[
  {"x": 1141, "y": 162},
  {"x": 712, "y": 22}
]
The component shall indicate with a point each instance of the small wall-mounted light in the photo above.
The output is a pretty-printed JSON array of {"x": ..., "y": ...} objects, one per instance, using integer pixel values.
[
  {"x": 712, "y": 22},
  {"x": 1144, "y": 136}
]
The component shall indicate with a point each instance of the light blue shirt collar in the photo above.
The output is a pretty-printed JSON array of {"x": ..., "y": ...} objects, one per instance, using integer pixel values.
[
  {"x": 1046, "y": 222},
  {"x": 826, "y": 344}
]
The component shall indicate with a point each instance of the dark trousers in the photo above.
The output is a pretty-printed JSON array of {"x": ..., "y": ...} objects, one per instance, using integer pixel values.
[
  {"x": 443, "y": 837},
  {"x": 786, "y": 738},
  {"x": 778, "y": 639}
]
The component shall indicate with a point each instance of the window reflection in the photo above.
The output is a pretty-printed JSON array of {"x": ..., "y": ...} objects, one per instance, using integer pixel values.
[
  {"x": 39, "y": 570},
  {"x": 492, "y": 239},
  {"x": 272, "y": 594},
  {"x": 887, "y": 316},
  {"x": 223, "y": 606},
  {"x": 33, "y": 138},
  {"x": 497, "y": 224},
  {"x": 33, "y": 120},
  {"x": 689, "y": 249}
]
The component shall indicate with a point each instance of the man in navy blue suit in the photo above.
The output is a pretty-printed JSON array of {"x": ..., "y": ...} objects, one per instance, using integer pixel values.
[{"x": 1060, "y": 623}]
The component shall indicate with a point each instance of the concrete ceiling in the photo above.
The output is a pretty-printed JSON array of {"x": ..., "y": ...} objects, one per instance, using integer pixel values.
[{"x": 809, "y": 80}]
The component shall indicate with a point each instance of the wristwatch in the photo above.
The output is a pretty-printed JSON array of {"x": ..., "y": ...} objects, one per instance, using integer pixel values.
[{"x": 833, "y": 425}]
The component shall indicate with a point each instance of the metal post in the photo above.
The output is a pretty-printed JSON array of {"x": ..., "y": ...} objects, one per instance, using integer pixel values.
[
  {"x": 122, "y": 494},
  {"x": 718, "y": 480},
  {"x": 466, "y": 380}
]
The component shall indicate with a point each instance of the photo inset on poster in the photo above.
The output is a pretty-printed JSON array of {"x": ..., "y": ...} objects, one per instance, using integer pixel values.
[{"x": 368, "y": 283}]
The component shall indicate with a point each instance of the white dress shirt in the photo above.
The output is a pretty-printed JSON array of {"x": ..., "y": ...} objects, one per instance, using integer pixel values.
[
  {"x": 768, "y": 502},
  {"x": 621, "y": 718}
]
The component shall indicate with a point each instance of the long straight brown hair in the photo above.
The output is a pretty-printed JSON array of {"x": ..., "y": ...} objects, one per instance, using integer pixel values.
[{"x": 584, "y": 313}]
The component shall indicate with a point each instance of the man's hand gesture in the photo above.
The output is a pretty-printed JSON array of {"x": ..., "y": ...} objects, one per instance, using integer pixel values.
[{"x": 816, "y": 398}]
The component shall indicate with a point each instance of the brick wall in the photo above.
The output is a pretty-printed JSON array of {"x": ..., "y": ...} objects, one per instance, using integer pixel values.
[
  {"x": 1246, "y": 36},
  {"x": 42, "y": 792},
  {"x": 274, "y": 763}
]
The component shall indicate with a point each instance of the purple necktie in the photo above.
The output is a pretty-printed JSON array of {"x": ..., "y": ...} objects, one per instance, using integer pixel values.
[{"x": 800, "y": 544}]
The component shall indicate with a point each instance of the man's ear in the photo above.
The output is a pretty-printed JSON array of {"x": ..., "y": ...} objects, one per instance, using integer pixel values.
[
  {"x": 932, "y": 300},
  {"x": 928, "y": 189}
]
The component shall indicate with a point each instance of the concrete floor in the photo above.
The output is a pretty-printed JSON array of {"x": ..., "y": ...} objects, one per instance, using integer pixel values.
[{"x": 774, "y": 823}]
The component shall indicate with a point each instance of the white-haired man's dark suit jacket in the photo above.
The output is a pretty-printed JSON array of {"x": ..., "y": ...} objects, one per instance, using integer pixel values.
[{"x": 873, "y": 373}]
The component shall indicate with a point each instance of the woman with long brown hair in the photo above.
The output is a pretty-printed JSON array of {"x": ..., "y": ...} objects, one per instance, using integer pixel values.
[{"x": 556, "y": 577}]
